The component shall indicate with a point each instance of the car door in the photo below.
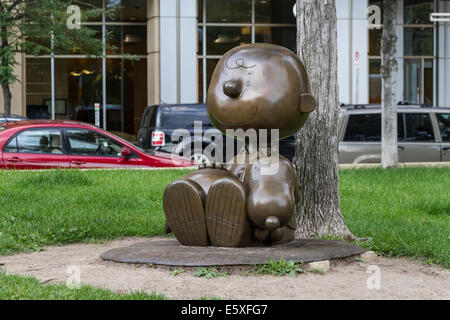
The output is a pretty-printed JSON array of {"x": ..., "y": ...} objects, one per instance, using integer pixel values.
[
  {"x": 91, "y": 149},
  {"x": 361, "y": 142},
  {"x": 443, "y": 121},
  {"x": 36, "y": 149},
  {"x": 417, "y": 140}
]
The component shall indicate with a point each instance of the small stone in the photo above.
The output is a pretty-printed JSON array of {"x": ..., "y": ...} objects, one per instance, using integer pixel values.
[
  {"x": 369, "y": 256},
  {"x": 320, "y": 265}
]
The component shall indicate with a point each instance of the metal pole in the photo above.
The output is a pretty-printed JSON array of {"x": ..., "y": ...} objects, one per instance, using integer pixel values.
[
  {"x": 178, "y": 45},
  {"x": 52, "y": 71},
  {"x": 204, "y": 53},
  {"x": 104, "y": 66}
]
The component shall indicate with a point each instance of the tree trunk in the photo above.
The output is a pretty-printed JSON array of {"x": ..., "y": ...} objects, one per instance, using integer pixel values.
[
  {"x": 389, "y": 72},
  {"x": 318, "y": 212},
  {"x": 6, "y": 98}
]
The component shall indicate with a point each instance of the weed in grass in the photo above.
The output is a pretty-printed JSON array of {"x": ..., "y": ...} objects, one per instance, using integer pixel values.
[
  {"x": 177, "y": 272},
  {"x": 210, "y": 298},
  {"x": 316, "y": 270},
  {"x": 209, "y": 273},
  {"x": 280, "y": 268},
  {"x": 359, "y": 259}
]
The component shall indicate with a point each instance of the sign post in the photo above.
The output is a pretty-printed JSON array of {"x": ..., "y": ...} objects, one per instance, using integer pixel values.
[
  {"x": 357, "y": 66},
  {"x": 97, "y": 114}
]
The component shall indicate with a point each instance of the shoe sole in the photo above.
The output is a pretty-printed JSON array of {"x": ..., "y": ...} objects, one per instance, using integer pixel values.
[
  {"x": 185, "y": 214},
  {"x": 226, "y": 214}
]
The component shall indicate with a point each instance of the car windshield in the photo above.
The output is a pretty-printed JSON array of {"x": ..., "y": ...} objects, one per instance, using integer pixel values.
[{"x": 182, "y": 117}]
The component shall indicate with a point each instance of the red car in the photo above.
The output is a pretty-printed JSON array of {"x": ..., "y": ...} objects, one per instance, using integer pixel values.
[{"x": 68, "y": 144}]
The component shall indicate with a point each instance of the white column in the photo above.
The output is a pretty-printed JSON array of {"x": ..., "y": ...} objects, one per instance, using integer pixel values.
[
  {"x": 344, "y": 49},
  {"x": 400, "y": 52},
  {"x": 352, "y": 27},
  {"x": 178, "y": 34},
  {"x": 444, "y": 58}
]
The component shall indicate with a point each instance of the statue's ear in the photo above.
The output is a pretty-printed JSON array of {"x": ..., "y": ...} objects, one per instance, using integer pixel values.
[{"x": 307, "y": 103}]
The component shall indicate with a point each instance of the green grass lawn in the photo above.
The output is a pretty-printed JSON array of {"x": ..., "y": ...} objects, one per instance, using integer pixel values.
[
  {"x": 26, "y": 288},
  {"x": 405, "y": 211},
  {"x": 56, "y": 207}
]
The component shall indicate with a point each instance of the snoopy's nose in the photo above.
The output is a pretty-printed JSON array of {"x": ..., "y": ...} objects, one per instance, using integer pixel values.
[
  {"x": 232, "y": 88},
  {"x": 272, "y": 223}
]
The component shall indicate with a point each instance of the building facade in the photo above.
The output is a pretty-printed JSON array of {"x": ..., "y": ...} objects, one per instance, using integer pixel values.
[{"x": 177, "y": 43}]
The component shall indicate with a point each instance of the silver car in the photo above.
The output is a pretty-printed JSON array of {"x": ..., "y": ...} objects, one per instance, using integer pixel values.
[{"x": 423, "y": 134}]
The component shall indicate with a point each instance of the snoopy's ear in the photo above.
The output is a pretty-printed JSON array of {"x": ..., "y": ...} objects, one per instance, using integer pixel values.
[{"x": 307, "y": 103}]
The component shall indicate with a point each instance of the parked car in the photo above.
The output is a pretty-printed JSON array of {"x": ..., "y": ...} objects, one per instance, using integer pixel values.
[
  {"x": 423, "y": 134},
  {"x": 11, "y": 118},
  {"x": 160, "y": 121},
  {"x": 46, "y": 144}
]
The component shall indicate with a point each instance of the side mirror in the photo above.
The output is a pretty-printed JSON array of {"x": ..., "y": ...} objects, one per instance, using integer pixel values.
[{"x": 126, "y": 153}]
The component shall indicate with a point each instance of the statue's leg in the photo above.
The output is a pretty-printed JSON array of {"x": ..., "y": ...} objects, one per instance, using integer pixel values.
[
  {"x": 184, "y": 208},
  {"x": 226, "y": 214}
]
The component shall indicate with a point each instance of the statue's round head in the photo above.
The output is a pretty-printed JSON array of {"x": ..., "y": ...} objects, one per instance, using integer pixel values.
[{"x": 260, "y": 86}]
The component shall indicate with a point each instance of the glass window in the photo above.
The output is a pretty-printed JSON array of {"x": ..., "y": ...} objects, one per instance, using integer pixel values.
[
  {"x": 91, "y": 143},
  {"x": 91, "y": 9},
  {"x": 375, "y": 42},
  {"x": 79, "y": 45},
  {"x": 38, "y": 87},
  {"x": 367, "y": 128},
  {"x": 418, "y": 11},
  {"x": 79, "y": 82},
  {"x": 231, "y": 11},
  {"x": 419, "y": 41},
  {"x": 126, "y": 87},
  {"x": 283, "y": 36},
  {"x": 275, "y": 11},
  {"x": 42, "y": 141},
  {"x": 127, "y": 10},
  {"x": 127, "y": 39},
  {"x": 200, "y": 10},
  {"x": 11, "y": 147},
  {"x": 184, "y": 119},
  {"x": 444, "y": 125},
  {"x": 418, "y": 127},
  {"x": 222, "y": 39},
  {"x": 363, "y": 128},
  {"x": 375, "y": 81}
]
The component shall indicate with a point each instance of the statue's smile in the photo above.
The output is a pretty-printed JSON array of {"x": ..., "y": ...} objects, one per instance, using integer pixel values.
[{"x": 227, "y": 123}]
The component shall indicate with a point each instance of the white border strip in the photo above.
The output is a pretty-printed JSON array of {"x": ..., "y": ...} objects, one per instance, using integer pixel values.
[{"x": 440, "y": 17}]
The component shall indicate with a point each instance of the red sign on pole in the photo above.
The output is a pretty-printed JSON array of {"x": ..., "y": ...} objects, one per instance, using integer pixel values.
[{"x": 357, "y": 59}]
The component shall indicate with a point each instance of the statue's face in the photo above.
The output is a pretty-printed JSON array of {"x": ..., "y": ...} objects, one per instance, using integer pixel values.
[{"x": 260, "y": 87}]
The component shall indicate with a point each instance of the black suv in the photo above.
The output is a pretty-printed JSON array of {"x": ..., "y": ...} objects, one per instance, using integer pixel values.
[{"x": 160, "y": 121}]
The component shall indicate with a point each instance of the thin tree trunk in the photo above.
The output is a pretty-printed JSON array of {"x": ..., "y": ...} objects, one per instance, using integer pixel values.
[
  {"x": 5, "y": 63},
  {"x": 318, "y": 212},
  {"x": 6, "y": 98},
  {"x": 389, "y": 71}
]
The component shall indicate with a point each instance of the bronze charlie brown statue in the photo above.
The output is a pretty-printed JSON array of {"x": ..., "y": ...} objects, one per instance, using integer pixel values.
[{"x": 256, "y": 86}]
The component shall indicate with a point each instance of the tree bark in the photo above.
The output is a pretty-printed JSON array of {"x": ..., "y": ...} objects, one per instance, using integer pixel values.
[
  {"x": 6, "y": 98},
  {"x": 389, "y": 72},
  {"x": 318, "y": 211}
]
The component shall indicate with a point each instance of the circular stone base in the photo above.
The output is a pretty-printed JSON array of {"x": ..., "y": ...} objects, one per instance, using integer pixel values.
[{"x": 170, "y": 252}]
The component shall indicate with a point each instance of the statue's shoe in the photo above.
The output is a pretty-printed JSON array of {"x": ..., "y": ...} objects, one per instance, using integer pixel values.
[
  {"x": 183, "y": 205},
  {"x": 226, "y": 214}
]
